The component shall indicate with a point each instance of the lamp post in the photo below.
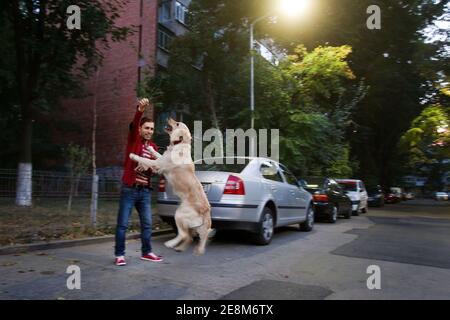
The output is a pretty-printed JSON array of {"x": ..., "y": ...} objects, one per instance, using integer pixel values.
[{"x": 288, "y": 7}]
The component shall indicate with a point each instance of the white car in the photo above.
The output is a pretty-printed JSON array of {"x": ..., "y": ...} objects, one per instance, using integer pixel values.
[
  {"x": 357, "y": 193},
  {"x": 441, "y": 196}
]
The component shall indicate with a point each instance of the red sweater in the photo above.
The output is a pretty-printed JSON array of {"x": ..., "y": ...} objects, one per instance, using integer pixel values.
[{"x": 134, "y": 145}]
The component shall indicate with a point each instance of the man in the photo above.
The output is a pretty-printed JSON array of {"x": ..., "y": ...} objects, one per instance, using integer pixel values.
[{"x": 136, "y": 187}]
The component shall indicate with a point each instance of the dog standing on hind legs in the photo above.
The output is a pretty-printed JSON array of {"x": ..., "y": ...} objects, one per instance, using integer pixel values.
[{"x": 193, "y": 216}]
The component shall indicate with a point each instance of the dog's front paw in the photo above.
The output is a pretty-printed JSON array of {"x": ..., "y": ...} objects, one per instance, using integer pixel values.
[
  {"x": 134, "y": 157},
  {"x": 151, "y": 150}
]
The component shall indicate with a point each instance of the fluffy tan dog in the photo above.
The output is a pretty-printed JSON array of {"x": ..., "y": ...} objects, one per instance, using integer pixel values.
[{"x": 193, "y": 216}]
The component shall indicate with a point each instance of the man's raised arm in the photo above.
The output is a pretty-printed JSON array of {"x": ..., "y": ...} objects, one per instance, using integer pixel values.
[{"x": 134, "y": 130}]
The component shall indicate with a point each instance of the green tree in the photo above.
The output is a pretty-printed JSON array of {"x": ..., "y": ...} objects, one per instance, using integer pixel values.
[
  {"x": 426, "y": 145},
  {"x": 47, "y": 61},
  {"x": 309, "y": 97},
  {"x": 320, "y": 108},
  {"x": 78, "y": 160},
  {"x": 396, "y": 62}
]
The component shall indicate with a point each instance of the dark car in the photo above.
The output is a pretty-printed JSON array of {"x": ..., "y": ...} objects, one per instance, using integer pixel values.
[
  {"x": 376, "y": 196},
  {"x": 329, "y": 199}
]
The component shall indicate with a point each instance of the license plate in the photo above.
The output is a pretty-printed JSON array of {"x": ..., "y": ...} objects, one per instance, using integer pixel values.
[{"x": 206, "y": 187}]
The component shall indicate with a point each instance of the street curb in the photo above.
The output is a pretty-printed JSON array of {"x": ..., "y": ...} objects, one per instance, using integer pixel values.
[{"x": 71, "y": 243}]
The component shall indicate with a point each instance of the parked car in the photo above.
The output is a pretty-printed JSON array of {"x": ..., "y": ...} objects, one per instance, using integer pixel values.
[
  {"x": 357, "y": 193},
  {"x": 440, "y": 196},
  {"x": 391, "y": 197},
  {"x": 398, "y": 193},
  {"x": 257, "y": 196},
  {"x": 409, "y": 196},
  {"x": 329, "y": 199},
  {"x": 375, "y": 196}
]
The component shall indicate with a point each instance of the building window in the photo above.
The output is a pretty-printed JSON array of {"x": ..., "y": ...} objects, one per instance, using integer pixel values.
[
  {"x": 164, "y": 11},
  {"x": 180, "y": 12},
  {"x": 164, "y": 40}
]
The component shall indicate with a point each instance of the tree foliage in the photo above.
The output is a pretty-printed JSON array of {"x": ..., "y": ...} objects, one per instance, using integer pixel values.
[
  {"x": 308, "y": 97},
  {"x": 426, "y": 145},
  {"x": 401, "y": 65},
  {"x": 42, "y": 60}
]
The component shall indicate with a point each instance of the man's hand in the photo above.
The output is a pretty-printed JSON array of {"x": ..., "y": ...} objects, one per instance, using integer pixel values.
[
  {"x": 143, "y": 103},
  {"x": 141, "y": 168}
]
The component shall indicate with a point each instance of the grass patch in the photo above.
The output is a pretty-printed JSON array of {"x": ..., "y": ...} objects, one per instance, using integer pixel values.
[{"x": 48, "y": 219}]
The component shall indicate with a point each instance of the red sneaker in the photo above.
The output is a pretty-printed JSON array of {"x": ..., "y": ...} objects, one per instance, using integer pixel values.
[
  {"x": 151, "y": 257},
  {"x": 120, "y": 261}
]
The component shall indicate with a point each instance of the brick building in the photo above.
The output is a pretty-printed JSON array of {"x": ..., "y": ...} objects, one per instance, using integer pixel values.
[{"x": 114, "y": 87}]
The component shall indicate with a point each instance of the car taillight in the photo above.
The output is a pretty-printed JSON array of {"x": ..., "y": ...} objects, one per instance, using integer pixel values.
[
  {"x": 320, "y": 198},
  {"x": 234, "y": 185},
  {"x": 162, "y": 184}
]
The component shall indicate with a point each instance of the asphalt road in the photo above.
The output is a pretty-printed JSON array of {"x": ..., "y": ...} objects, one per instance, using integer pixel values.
[{"x": 409, "y": 242}]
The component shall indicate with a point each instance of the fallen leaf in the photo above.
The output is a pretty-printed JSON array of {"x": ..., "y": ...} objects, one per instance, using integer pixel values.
[
  {"x": 47, "y": 272},
  {"x": 7, "y": 264}
]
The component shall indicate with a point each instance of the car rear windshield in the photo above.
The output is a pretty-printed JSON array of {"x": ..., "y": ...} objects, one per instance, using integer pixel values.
[
  {"x": 348, "y": 185},
  {"x": 235, "y": 168},
  {"x": 373, "y": 190},
  {"x": 313, "y": 184}
]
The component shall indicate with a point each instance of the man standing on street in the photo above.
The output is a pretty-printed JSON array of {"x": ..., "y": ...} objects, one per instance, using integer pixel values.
[{"x": 136, "y": 187}]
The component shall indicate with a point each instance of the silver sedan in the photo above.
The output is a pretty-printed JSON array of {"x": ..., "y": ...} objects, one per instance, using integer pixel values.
[{"x": 252, "y": 194}]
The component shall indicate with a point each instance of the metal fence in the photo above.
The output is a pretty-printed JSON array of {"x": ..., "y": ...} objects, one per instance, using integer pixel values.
[
  {"x": 55, "y": 184},
  {"x": 54, "y": 215}
]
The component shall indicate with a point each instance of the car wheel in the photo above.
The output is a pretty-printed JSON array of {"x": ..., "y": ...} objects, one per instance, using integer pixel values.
[
  {"x": 364, "y": 210},
  {"x": 348, "y": 215},
  {"x": 355, "y": 212},
  {"x": 308, "y": 224},
  {"x": 266, "y": 228},
  {"x": 333, "y": 215}
]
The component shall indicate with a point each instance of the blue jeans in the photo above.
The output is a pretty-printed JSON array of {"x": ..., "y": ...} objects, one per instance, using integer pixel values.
[{"x": 140, "y": 199}]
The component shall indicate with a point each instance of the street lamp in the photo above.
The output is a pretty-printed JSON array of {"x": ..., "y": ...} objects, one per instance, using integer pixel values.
[
  {"x": 293, "y": 7},
  {"x": 286, "y": 7}
]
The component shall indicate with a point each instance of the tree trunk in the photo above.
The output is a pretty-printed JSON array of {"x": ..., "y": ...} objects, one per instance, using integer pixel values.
[
  {"x": 24, "y": 170},
  {"x": 69, "y": 203},
  {"x": 28, "y": 70},
  {"x": 77, "y": 184},
  {"x": 210, "y": 97},
  {"x": 94, "y": 192},
  {"x": 209, "y": 91}
]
